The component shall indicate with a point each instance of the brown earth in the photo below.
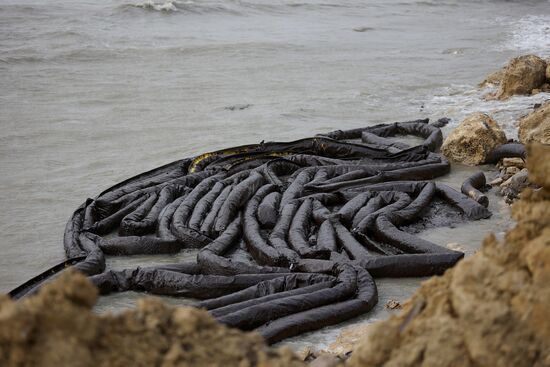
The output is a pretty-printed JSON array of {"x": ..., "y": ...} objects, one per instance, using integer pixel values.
[
  {"x": 492, "y": 309},
  {"x": 58, "y": 328},
  {"x": 535, "y": 127}
]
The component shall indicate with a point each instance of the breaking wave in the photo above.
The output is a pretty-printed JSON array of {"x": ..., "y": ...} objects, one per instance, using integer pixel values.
[
  {"x": 166, "y": 6},
  {"x": 458, "y": 101},
  {"x": 530, "y": 33}
]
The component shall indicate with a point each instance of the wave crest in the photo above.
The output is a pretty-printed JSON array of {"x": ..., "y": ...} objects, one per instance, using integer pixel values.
[{"x": 166, "y": 6}]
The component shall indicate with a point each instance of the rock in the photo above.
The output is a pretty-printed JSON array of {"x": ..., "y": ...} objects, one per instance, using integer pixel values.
[
  {"x": 548, "y": 69},
  {"x": 393, "y": 304},
  {"x": 305, "y": 354},
  {"x": 473, "y": 139},
  {"x": 512, "y": 170},
  {"x": 513, "y": 162},
  {"x": 497, "y": 181},
  {"x": 536, "y": 125},
  {"x": 348, "y": 337},
  {"x": 493, "y": 79},
  {"x": 545, "y": 88},
  {"x": 491, "y": 309},
  {"x": 522, "y": 75},
  {"x": 513, "y": 186},
  {"x": 504, "y": 176},
  {"x": 454, "y": 246}
]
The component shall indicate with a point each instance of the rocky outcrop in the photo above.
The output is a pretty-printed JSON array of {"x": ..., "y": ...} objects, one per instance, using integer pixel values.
[
  {"x": 535, "y": 127},
  {"x": 473, "y": 139},
  {"x": 522, "y": 75},
  {"x": 489, "y": 310},
  {"x": 58, "y": 328},
  {"x": 493, "y": 79}
]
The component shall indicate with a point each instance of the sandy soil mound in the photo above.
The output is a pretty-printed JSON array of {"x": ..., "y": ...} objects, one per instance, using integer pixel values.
[
  {"x": 535, "y": 127},
  {"x": 489, "y": 310},
  {"x": 58, "y": 328}
]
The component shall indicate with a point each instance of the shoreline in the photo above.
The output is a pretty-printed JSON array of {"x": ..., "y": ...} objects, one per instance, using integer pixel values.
[{"x": 408, "y": 309}]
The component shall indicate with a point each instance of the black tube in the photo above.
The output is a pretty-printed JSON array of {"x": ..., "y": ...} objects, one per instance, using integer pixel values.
[
  {"x": 508, "y": 150},
  {"x": 288, "y": 231},
  {"x": 471, "y": 187}
]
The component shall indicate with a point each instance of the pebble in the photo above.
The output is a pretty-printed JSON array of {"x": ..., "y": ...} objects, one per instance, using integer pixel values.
[{"x": 393, "y": 304}]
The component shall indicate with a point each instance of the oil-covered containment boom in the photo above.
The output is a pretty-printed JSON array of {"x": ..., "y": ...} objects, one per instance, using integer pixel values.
[{"x": 316, "y": 219}]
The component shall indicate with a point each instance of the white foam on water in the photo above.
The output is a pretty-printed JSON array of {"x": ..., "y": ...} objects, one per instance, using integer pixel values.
[
  {"x": 458, "y": 101},
  {"x": 166, "y": 6},
  {"x": 530, "y": 33}
]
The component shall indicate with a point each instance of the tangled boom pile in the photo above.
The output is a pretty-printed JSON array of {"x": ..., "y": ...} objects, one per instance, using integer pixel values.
[{"x": 317, "y": 218}]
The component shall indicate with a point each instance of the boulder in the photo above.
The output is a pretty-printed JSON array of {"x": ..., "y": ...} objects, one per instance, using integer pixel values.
[
  {"x": 536, "y": 125},
  {"x": 473, "y": 139},
  {"x": 548, "y": 69},
  {"x": 493, "y": 79},
  {"x": 522, "y": 75}
]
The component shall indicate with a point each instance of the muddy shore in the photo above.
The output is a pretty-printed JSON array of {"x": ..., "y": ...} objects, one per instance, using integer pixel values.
[{"x": 488, "y": 310}]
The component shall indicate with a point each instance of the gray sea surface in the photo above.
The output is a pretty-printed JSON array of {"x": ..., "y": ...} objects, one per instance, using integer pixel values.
[{"x": 93, "y": 92}]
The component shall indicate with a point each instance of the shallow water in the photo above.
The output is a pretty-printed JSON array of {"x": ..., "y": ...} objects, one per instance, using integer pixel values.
[{"x": 92, "y": 92}]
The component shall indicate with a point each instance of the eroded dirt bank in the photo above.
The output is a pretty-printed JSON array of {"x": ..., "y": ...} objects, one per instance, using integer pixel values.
[
  {"x": 489, "y": 310},
  {"x": 58, "y": 328}
]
